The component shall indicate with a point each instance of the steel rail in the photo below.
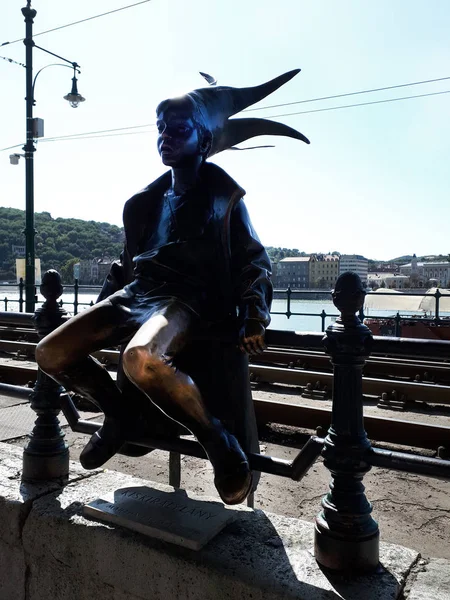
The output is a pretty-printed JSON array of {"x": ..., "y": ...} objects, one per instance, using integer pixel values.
[
  {"x": 425, "y": 392},
  {"x": 379, "y": 366},
  {"x": 381, "y": 429},
  {"x": 28, "y": 348},
  {"x": 411, "y": 390},
  {"x": 309, "y": 360},
  {"x": 395, "y": 431}
]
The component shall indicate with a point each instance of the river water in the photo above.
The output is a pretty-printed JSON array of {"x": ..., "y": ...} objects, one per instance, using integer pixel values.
[{"x": 309, "y": 321}]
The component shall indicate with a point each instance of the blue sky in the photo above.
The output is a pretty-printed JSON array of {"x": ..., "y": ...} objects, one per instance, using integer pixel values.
[{"x": 375, "y": 179}]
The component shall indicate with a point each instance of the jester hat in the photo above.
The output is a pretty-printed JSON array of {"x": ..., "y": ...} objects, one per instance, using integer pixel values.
[{"x": 217, "y": 103}]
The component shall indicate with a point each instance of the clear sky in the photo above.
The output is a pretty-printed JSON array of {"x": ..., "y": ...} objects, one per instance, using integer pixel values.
[{"x": 375, "y": 179}]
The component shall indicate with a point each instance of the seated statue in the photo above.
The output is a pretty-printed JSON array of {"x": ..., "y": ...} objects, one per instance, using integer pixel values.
[{"x": 188, "y": 301}]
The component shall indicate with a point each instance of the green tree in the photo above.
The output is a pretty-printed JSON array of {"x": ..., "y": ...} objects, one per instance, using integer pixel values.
[{"x": 66, "y": 271}]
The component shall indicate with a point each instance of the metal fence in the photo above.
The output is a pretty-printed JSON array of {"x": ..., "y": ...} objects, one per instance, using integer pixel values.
[
  {"x": 346, "y": 535},
  {"x": 289, "y": 293}
]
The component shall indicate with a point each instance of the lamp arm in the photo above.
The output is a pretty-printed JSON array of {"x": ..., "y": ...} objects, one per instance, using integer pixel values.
[
  {"x": 75, "y": 65},
  {"x": 51, "y": 65}
]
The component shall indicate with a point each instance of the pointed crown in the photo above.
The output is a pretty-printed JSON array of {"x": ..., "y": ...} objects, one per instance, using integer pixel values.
[{"x": 217, "y": 104}]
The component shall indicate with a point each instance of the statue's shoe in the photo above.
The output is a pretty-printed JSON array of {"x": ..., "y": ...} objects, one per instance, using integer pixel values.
[
  {"x": 232, "y": 475},
  {"x": 234, "y": 487},
  {"x": 103, "y": 444}
]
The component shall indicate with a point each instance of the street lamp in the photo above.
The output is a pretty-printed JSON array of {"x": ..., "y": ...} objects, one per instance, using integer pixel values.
[{"x": 33, "y": 131}]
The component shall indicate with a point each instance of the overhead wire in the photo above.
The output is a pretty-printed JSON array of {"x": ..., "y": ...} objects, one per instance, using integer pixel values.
[
  {"x": 92, "y": 137},
  {"x": 110, "y": 12},
  {"x": 113, "y": 132},
  {"x": 305, "y": 112},
  {"x": 369, "y": 91},
  {"x": 13, "y": 61},
  {"x": 74, "y": 135}
]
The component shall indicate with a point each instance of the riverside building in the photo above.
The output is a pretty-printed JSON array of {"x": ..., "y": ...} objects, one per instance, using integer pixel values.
[
  {"x": 356, "y": 263},
  {"x": 427, "y": 274},
  {"x": 293, "y": 272},
  {"x": 323, "y": 270}
]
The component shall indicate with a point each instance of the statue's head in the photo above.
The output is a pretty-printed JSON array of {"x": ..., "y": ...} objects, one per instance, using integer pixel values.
[
  {"x": 198, "y": 124},
  {"x": 183, "y": 134}
]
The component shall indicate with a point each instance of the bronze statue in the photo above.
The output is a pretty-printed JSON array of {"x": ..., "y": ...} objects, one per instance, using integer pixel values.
[{"x": 188, "y": 301}]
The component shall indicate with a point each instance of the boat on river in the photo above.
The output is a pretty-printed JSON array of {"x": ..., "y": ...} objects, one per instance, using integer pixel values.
[{"x": 412, "y": 316}]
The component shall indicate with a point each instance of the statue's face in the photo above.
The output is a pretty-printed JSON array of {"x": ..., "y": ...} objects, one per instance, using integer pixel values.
[{"x": 178, "y": 139}]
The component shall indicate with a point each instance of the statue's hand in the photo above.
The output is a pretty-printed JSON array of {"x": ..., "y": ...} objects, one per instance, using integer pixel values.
[{"x": 252, "y": 337}]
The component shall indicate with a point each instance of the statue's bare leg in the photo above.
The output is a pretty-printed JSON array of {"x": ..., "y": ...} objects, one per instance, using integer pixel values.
[
  {"x": 64, "y": 355},
  {"x": 148, "y": 362}
]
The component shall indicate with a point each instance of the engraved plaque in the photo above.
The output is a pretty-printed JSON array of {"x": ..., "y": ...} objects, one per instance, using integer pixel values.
[{"x": 166, "y": 515}]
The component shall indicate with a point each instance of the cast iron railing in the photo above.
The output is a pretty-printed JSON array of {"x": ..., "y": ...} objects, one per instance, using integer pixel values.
[
  {"x": 289, "y": 293},
  {"x": 346, "y": 535}
]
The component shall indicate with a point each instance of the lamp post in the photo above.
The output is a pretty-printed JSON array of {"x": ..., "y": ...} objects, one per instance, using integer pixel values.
[{"x": 31, "y": 133}]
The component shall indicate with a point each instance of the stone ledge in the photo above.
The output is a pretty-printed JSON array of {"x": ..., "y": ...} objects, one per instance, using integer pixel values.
[
  {"x": 260, "y": 556},
  {"x": 431, "y": 580},
  {"x": 16, "y": 498}
]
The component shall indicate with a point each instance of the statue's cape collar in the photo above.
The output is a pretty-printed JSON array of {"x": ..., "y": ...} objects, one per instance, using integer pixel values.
[{"x": 213, "y": 177}]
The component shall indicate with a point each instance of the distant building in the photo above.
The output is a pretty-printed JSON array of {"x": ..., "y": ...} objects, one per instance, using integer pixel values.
[
  {"x": 356, "y": 263},
  {"x": 323, "y": 270},
  {"x": 18, "y": 251},
  {"x": 292, "y": 271},
  {"x": 423, "y": 272},
  {"x": 385, "y": 268},
  {"x": 94, "y": 271},
  {"x": 393, "y": 281}
]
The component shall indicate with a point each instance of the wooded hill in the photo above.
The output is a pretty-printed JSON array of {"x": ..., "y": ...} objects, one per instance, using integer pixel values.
[
  {"x": 58, "y": 241},
  {"x": 61, "y": 242}
]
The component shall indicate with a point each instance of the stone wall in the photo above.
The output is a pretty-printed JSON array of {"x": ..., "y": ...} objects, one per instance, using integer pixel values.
[{"x": 50, "y": 551}]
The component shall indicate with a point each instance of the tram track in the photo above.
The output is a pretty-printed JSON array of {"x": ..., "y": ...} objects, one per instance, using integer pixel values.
[
  {"x": 427, "y": 371},
  {"x": 294, "y": 412},
  {"x": 312, "y": 371}
]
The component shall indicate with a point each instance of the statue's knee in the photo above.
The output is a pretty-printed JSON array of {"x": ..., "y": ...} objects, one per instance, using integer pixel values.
[
  {"x": 140, "y": 365},
  {"x": 49, "y": 358}
]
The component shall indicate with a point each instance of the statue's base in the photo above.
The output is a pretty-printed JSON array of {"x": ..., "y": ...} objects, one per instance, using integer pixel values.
[{"x": 165, "y": 515}]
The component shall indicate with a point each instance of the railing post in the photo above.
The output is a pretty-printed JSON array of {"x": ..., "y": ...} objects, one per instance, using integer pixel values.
[
  {"x": 361, "y": 314},
  {"x": 346, "y": 535},
  {"x": 323, "y": 316},
  {"x": 21, "y": 300},
  {"x": 75, "y": 296},
  {"x": 46, "y": 455},
  {"x": 437, "y": 295},
  {"x": 6, "y": 303},
  {"x": 397, "y": 320},
  {"x": 288, "y": 306}
]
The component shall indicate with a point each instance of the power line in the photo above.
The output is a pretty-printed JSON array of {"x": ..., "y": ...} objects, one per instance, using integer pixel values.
[
  {"x": 13, "y": 61},
  {"x": 268, "y": 117},
  {"x": 305, "y": 112},
  {"x": 105, "y": 132},
  {"x": 381, "y": 89},
  {"x": 75, "y": 135},
  {"x": 88, "y": 137},
  {"x": 81, "y": 21},
  {"x": 11, "y": 147}
]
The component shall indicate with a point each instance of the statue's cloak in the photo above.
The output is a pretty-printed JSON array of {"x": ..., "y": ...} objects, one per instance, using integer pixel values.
[{"x": 212, "y": 358}]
